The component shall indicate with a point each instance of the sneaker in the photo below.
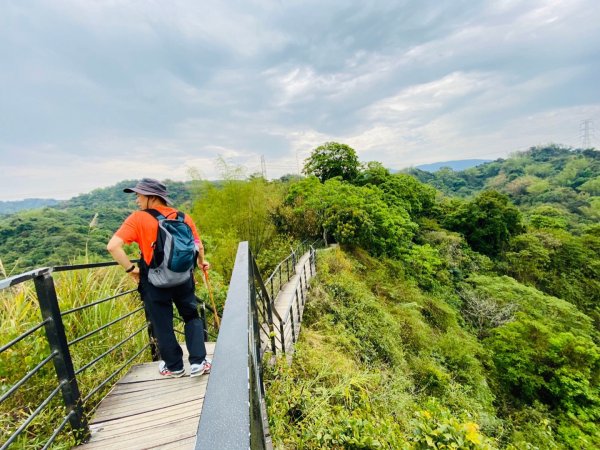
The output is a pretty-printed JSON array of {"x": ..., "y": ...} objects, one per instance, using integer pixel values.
[
  {"x": 202, "y": 368},
  {"x": 165, "y": 372}
]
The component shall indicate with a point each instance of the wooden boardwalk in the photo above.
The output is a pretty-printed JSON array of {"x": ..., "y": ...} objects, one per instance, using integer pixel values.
[
  {"x": 144, "y": 410},
  {"x": 289, "y": 304}
]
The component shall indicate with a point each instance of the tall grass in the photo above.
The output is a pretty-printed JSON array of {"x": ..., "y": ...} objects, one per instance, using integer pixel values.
[
  {"x": 372, "y": 371},
  {"x": 19, "y": 312}
]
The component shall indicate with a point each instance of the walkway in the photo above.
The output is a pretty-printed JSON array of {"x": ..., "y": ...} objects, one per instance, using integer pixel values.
[
  {"x": 290, "y": 301},
  {"x": 144, "y": 410}
]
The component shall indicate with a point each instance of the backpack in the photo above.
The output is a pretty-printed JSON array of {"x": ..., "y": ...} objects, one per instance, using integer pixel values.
[{"x": 174, "y": 251}]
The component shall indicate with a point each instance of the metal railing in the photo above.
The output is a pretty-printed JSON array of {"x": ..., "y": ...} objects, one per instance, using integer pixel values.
[
  {"x": 234, "y": 410},
  {"x": 53, "y": 323},
  {"x": 57, "y": 326}
]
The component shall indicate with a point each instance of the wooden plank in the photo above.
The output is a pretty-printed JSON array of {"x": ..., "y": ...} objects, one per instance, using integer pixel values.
[
  {"x": 146, "y": 420},
  {"x": 145, "y": 410},
  {"x": 169, "y": 432},
  {"x": 116, "y": 410},
  {"x": 188, "y": 443},
  {"x": 146, "y": 389}
]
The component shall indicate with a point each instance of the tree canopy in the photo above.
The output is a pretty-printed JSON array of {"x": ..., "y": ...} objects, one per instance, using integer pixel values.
[{"x": 332, "y": 160}]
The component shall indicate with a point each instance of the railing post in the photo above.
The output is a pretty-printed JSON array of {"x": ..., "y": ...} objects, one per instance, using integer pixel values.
[
  {"x": 282, "y": 331},
  {"x": 203, "y": 317},
  {"x": 292, "y": 324},
  {"x": 151, "y": 339},
  {"x": 305, "y": 279},
  {"x": 298, "y": 307},
  {"x": 63, "y": 364}
]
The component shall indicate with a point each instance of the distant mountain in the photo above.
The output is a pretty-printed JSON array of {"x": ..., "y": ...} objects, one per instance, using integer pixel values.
[
  {"x": 10, "y": 207},
  {"x": 457, "y": 165}
]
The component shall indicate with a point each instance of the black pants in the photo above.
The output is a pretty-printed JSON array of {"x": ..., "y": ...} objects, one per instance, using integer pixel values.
[{"x": 159, "y": 304}]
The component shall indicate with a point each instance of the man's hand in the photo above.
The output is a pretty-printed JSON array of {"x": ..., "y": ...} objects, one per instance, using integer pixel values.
[
  {"x": 204, "y": 265},
  {"x": 135, "y": 274}
]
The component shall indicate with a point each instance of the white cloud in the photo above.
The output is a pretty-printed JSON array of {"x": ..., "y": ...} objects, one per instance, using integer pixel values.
[{"x": 102, "y": 91}]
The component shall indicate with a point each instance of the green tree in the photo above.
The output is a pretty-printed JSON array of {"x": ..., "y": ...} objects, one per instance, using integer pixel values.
[
  {"x": 352, "y": 215},
  {"x": 373, "y": 173},
  {"x": 332, "y": 160},
  {"x": 488, "y": 222},
  {"x": 237, "y": 210},
  {"x": 405, "y": 191}
]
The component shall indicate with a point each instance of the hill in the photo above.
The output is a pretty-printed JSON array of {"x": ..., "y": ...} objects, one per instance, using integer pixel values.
[
  {"x": 55, "y": 235},
  {"x": 9, "y": 207},
  {"x": 562, "y": 178},
  {"x": 466, "y": 318},
  {"x": 457, "y": 165}
]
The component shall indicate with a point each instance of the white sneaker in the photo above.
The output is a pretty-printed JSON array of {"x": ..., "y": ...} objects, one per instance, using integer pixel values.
[
  {"x": 200, "y": 369},
  {"x": 165, "y": 372}
]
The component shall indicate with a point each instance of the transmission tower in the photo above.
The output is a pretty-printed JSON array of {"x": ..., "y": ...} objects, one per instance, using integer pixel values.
[
  {"x": 263, "y": 166},
  {"x": 586, "y": 129}
]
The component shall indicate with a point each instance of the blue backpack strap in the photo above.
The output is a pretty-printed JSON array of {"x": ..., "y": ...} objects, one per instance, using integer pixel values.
[
  {"x": 154, "y": 213},
  {"x": 158, "y": 216}
]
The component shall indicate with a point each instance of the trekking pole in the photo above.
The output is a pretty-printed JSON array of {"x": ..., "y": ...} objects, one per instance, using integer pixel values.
[{"x": 212, "y": 300}]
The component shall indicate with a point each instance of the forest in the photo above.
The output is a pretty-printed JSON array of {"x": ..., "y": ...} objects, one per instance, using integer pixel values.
[{"x": 459, "y": 309}]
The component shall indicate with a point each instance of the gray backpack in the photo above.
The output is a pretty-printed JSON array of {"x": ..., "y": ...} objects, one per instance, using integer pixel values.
[{"x": 174, "y": 251}]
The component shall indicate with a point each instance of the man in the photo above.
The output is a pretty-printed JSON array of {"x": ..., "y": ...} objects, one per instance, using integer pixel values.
[{"x": 142, "y": 227}]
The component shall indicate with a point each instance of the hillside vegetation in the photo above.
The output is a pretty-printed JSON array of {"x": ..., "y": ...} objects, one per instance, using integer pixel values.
[
  {"x": 445, "y": 322},
  {"x": 71, "y": 229},
  {"x": 459, "y": 309}
]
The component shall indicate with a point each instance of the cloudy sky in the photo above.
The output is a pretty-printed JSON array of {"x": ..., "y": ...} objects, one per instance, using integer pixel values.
[{"x": 94, "y": 92}]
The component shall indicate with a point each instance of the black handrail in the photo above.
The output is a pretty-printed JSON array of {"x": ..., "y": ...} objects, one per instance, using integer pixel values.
[
  {"x": 249, "y": 303},
  {"x": 60, "y": 353},
  {"x": 234, "y": 410}
]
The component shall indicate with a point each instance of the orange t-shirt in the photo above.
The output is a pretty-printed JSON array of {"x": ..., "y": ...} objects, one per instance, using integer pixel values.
[{"x": 141, "y": 227}]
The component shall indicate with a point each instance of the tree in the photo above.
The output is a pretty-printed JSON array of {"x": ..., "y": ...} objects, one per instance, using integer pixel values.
[
  {"x": 488, "y": 222},
  {"x": 332, "y": 160},
  {"x": 352, "y": 215},
  {"x": 373, "y": 173}
]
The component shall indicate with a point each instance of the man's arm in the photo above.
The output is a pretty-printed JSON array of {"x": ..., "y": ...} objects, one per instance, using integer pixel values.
[
  {"x": 115, "y": 248},
  {"x": 202, "y": 263}
]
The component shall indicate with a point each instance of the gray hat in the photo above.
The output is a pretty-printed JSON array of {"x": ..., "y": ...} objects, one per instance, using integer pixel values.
[{"x": 150, "y": 186}]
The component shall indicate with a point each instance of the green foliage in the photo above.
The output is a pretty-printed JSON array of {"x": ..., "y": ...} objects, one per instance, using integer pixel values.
[
  {"x": 332, "y": 160},
  {"x": 77, "y": 227},
  {"x": 546, "y": 354},
  {"x": 440, "y": 323},
  {"x": 352, "y": 215},
  {"x": 237, "y": 210},
  {"x": 436, "y": 428},
  {"x": 373, "y": 173},
  {"x": 553, "y": 175},
  {"x": 53, "y": 237},
  {"x": 425, "y": 265},
  {"x": 560, "y": 264},
  {"x": 9, "y": 207},
  {"x": 19, "y": 312},
  {"x": 488, "y": 222},
  {"x": 546, "y": 216},
  {"x": 405, "y": 191},
  {"x": 407, "y": 350}
]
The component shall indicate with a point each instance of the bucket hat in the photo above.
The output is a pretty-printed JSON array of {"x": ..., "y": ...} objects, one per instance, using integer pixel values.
[{"x": 150, "y": 186}]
